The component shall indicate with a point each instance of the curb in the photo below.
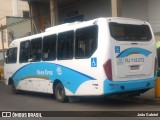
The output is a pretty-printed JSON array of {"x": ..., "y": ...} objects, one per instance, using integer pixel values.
[{"x": 150, "y": 96}]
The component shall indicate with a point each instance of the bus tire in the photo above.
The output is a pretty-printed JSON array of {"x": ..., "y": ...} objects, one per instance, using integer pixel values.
[
  {"x": 60, "y": 93},
  {"x": 13, "y": 88}
]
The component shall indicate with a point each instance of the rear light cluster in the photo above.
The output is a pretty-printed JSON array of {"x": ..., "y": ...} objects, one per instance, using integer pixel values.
[{"x": 108, "y": 69}]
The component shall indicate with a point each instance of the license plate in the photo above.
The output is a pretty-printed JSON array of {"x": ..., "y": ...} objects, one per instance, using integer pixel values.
[{"x": 134, "y": 67}]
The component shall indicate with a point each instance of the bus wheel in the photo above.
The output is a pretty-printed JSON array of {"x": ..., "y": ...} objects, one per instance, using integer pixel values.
[
  {"x": 13, "y": 88},
  {"x": 60, "y": 93}
]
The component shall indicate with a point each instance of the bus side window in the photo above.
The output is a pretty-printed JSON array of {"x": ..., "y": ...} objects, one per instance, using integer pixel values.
[
  {"x": 12, "y": 55},
  {"x": 49, "y": 48},
  {"x": 86, "y": 41},
  {"x": 36, "y": 49},
  {"x": 24, "y": 51},
  {"x": 65, "y": 45}
]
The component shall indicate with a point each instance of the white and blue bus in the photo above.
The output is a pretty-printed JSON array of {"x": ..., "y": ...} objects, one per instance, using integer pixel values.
[{"x": 103, "y": 56}]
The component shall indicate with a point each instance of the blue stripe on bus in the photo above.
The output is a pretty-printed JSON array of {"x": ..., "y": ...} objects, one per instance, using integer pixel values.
[
  {"x": 70, "y": 78},
  {"x": 111, "y": 87},
  {"x": 134, "y": 50}
]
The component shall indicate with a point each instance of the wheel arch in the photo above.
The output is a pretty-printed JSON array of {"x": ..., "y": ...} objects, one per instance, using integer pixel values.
[
  {"x": 10, "y": 81},
  {"x": 55, "y": 83}
]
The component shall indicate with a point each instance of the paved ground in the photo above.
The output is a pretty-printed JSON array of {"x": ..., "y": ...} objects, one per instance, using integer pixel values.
[{"x": 41, "y": 102}]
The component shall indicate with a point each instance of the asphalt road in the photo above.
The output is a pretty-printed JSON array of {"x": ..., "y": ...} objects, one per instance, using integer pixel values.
[{"x": 41, "y": 102}]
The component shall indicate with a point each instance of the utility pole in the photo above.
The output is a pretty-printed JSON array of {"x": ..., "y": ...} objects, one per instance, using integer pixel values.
[{"x": 2, "y": 41}]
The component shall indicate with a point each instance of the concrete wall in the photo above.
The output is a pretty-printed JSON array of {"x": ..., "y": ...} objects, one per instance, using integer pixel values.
[
  {"x": 22, "y": 6},
  {"x": 7, "y": 8},
  {"x": 135, "y": 9},
  {"x": 90, "y": 9},
  {"x": 3, "y": 23},
  {"x": 17, "y": 30},
  {"x": 145, "y": 10},
  {"x": 154, "y": 15}
]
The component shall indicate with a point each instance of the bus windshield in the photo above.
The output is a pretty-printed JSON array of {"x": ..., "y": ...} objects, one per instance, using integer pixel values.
[{"x": 130, "y": 32}]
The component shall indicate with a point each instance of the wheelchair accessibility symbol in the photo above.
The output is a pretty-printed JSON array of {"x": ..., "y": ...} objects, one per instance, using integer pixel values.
[
  {"x": 93, "y": 62},
  {"x": 117, "y": 49}
]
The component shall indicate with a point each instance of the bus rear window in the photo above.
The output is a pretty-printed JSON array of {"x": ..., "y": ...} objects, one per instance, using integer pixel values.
[{"x": 128, "y": 32}]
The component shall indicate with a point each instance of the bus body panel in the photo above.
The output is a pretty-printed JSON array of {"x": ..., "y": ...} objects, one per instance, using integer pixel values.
[
  {"x": 133, "y": 86},
  {"x": 133, "y": 57},
  {"x": 134, "y": 62}
]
